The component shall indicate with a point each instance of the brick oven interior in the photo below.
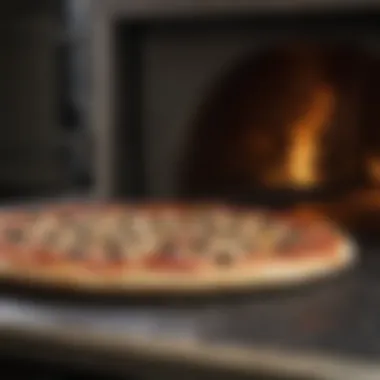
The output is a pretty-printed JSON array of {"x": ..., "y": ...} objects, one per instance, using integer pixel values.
[{"x": 162, "y": 70}]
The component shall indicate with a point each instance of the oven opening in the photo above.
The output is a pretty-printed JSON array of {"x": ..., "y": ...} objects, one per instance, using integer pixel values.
[{"x": 258, "y": 117}]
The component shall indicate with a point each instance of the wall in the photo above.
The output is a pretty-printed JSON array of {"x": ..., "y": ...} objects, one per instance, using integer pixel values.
[{"x": 29, "y": 126}]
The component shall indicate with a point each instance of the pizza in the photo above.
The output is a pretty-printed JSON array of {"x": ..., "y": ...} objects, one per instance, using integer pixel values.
[{"x": 179, "y": 248}]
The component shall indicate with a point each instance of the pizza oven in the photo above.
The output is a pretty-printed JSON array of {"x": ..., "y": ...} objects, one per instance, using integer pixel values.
[{"x": 153, "y": 64}]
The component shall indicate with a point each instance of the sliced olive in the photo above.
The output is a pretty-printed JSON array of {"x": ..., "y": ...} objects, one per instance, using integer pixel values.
[
  {"x": 15, "y": 235},
  {"x": 77, "y": 253},
  {"x": 113, "y": 251},
  {"x": 168, "y": 249},
  {"x": 224, "y": 258}
]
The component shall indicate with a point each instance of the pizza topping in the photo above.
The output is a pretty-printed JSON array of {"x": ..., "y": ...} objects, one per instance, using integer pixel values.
[
  {"x": 288, "y": 241},
  {"x": 15, "y": 235},
  {"x": 250, "y": 226},
  {"x": 166, "y": 230},
  {"x": 131, "y": 236},
  {"x": 224, "y": 258},
  {"x": 76, "y": 253},
  {"x": 51, "y": 238},
  {"x": 168, "y": 250},
  {"x": 140, "y": 223},
  {"x": 67, "y": 240},
  {"x": 110, "y": 225},
  {"x": 42, "y": 226},
  {"x": 269, "y": 238},
  {"x": 113, "y": 251},
  {"x": 125, "y": 224},
  {"x": 219, "y": 247},
  {"x": 222, "y": 221},
  {"x": 83, "y": 235},
  {"x": 199, "y": 244}
]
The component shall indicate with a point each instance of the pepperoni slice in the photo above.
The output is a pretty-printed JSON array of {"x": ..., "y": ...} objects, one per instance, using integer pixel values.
[{"x": 170, "y": 257}]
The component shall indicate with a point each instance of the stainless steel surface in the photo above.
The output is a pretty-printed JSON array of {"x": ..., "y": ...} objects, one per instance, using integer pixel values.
[{"x": 329, "y": 329}]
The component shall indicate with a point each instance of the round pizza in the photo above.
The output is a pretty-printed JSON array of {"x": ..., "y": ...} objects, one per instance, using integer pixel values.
[{"x": 159, "y": 248}]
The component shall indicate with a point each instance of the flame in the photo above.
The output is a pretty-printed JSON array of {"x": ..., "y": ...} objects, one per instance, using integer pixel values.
[
  {"x": 373, "y": 168},
  {"x": 302, "y": 168}
]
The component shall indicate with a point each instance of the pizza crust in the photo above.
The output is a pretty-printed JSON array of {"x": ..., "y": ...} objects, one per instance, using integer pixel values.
[{"x": 279, "y": 274}]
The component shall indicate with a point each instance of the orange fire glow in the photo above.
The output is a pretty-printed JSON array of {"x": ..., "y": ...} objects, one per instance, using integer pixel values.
[{"x": 304, "y": 149}]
